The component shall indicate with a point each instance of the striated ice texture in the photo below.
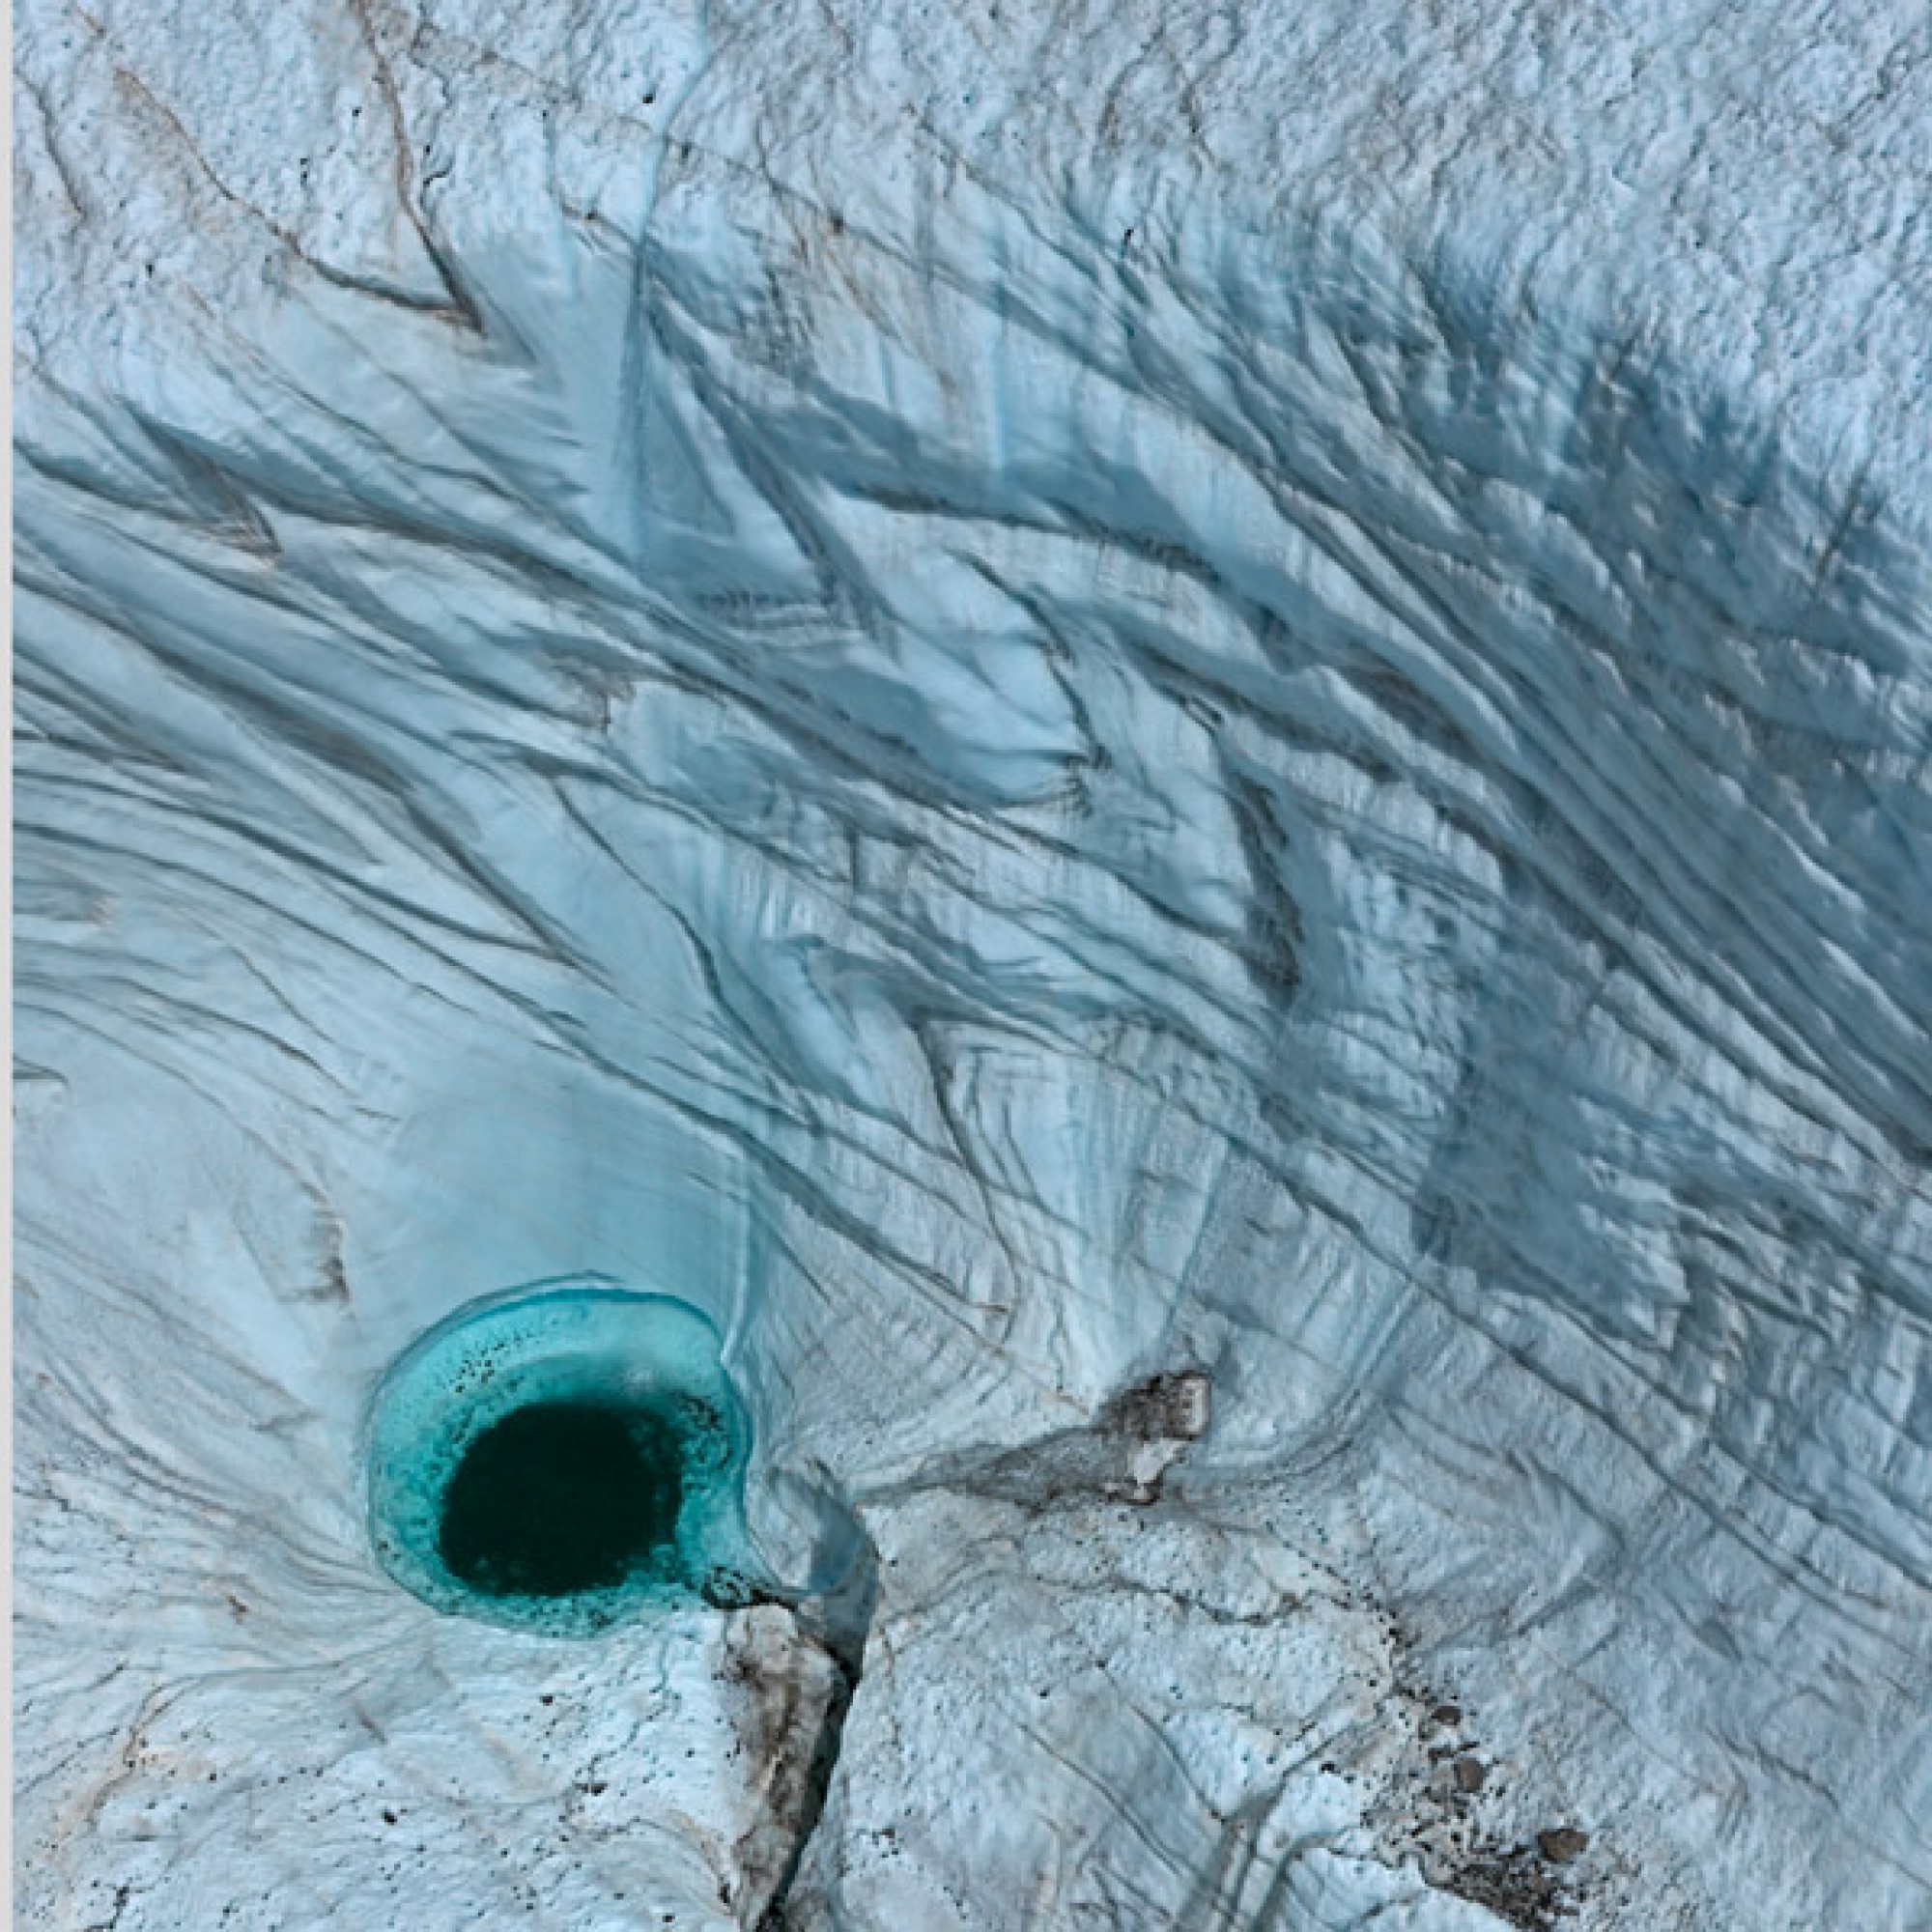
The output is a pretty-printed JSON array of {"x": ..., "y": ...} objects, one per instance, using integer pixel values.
[{"x": 1187, "y": 750}]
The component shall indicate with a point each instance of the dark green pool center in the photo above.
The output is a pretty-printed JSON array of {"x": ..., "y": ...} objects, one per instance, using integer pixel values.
[{"x": 561, "y": 1498}]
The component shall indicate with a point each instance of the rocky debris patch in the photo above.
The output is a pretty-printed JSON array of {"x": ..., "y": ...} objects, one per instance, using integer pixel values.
[
  {"x": 1122, "y": 1456},
  {"x": 791, "y": 1692},
  {"x": 1513, "y": 1885}
]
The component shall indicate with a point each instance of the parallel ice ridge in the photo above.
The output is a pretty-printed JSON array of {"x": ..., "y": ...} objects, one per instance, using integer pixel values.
[{"x": 1023, "y": 700}]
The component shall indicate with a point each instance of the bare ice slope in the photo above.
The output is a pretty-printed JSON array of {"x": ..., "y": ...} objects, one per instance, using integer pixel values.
[{"x": 1189, "y": 749}]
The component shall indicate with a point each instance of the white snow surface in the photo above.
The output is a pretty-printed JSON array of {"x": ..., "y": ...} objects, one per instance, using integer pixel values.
[{"x": 1026, "y": 695}]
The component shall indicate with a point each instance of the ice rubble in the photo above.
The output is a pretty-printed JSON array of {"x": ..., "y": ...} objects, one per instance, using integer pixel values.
[{"x": 1028, "y": 699}]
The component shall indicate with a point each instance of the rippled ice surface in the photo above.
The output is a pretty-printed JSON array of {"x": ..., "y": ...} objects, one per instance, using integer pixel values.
[{"x": 1187, "y": 754}]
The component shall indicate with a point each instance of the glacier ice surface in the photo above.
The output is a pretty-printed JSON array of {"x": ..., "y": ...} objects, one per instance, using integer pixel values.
[{"x": 1187, "y": 750}]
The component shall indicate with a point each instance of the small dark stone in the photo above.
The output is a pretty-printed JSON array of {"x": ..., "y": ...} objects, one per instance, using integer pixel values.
[
  {"x": 1446, "y": 1714},
  {"x": 1562, "y": 1844},
  {"x": 1470, "y": 1772}
]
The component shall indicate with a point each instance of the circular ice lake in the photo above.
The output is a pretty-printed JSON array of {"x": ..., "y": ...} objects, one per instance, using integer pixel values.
[{"x": 560, "y": 1459}]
